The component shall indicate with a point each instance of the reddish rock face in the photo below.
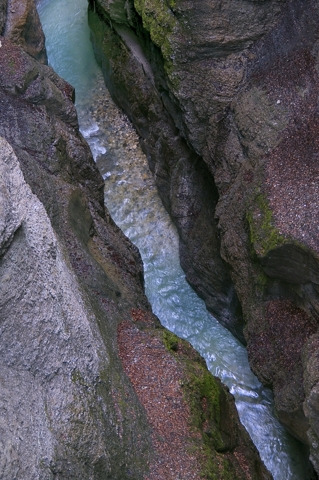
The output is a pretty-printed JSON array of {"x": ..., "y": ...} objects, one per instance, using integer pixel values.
[
  {"x": 195, "y": 429},
  {"x": 22, "y": 26}
]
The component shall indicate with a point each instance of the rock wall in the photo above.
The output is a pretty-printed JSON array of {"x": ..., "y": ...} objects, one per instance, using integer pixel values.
[
  {"x": 56, "y": 367},
  {"x": 72, "y": 402},
  {"x": 22, "y": 26},
  {"x": 225, "y": 99},
  {"x": 183, "y": 180},
  {"x": 68, "y": 276}
]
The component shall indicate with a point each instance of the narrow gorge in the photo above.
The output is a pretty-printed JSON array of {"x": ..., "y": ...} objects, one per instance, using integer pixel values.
[
  {"x": 224, "y": 98},
  {"x": 93, "y": 386}
]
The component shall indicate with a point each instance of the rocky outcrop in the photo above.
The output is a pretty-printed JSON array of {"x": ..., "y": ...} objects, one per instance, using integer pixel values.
[
  {"x": 68, "y": 408},
  {"x": 68, "y": 275},
  {"x": 196, "y": 432},
  {"x": 57, "y": 368},
  {"x": 71, "y": 292},
  {"x": 224, "y": 97},
  {"x": 20, "y": 23}
]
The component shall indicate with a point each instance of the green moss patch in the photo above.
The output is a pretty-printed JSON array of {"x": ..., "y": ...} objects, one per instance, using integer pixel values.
[
  {"x": 170, "y": 340},
  {"x": 207, "y": 399},
  {"x": 158, "y": 19},
  {"x": 203, "y": 395},
  {"x": 264, "y": 236}
]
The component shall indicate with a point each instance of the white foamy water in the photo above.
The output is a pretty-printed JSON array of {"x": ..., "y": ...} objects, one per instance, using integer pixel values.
[{"x": 132, "y": 199}]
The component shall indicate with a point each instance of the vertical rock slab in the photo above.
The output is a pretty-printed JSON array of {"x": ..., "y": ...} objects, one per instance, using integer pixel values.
[
  {"x": 51, "y": 346},
  {"x": 59, "y": 302}
]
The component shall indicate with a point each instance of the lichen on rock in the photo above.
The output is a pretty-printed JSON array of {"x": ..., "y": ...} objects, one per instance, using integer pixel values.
[
  {"x": 159, "y": 20},
  {"x": 263, "y": 234}
]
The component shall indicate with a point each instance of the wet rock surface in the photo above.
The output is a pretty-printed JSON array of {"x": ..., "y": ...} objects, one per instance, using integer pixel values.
[
  {"x": 225, "y": 101},
  {"x": 182, "y": 178}
]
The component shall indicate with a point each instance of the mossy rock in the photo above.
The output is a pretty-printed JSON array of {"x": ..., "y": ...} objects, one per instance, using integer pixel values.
[
  {"x": 264, "y": 236},
  {"x": 170, "y": 340},
  {"x": 159, "y": 20},
  {"x": 213, "y": 413}
]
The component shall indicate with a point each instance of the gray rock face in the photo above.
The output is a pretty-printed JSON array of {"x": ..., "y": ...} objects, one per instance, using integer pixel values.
[
  {"x": 21, "y": 393},
  {"x": 40, "y": 300},
  {"x": 67, "y": 279},
  {"x": 237, "y": 85},
  {"x": 55, "y": 366}
]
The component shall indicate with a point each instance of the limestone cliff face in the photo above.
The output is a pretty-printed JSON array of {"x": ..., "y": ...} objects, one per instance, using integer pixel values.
[
  {"x": 225, "y": 98},
  {"x": 72, "y": 402}
]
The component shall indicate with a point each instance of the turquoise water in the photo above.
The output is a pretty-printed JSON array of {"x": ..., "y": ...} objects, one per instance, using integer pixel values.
[{"x": 132, "y": 199}]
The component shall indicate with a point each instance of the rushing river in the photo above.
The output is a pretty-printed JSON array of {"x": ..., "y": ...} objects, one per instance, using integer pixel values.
[{"x": 132, "y": 200}]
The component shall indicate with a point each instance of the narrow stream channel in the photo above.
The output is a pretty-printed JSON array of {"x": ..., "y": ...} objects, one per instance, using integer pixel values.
[{"x": 131, "y": 197}]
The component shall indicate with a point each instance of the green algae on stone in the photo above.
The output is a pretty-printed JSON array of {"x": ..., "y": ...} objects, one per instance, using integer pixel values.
[
  {"x": 158, "y": 19},
  {"x": 208, "y": 402},
  {"x": 203, "y": 394},
  {"x": 170, "y": 341},
  {"x": 117, "y": 11},
  {"x": 264, "y": 236}
]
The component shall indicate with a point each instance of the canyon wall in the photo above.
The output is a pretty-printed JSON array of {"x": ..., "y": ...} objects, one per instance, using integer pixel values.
[
  {"x": 224, "y": 96},
  {"x": 91, "y": 385}
]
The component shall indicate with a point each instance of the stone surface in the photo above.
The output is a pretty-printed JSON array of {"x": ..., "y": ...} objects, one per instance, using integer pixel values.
[
  {"x": 3, "y": 15},
  {"x": 192, "y": 410},
  {"x": 55, "y": 364},
  {"x": 225, "y": 99},
  {"x": 65, "y": 283},
  {"x": 21, "y": 24}
]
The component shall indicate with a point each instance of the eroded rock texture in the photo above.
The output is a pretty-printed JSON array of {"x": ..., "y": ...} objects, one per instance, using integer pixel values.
[
  {"x": 58, "y": 417},
  {"x": 20, "y": 23},
  {"x": 71, "y": 405},
  {"x": 225, "y": 98},
  {"x": 66, "y": 280}
]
